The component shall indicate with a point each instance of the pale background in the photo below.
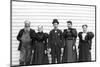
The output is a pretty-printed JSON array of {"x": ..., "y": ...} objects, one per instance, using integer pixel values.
[
  {"x": 5, "y": 32},
  {"x": 43, "y": 14}
]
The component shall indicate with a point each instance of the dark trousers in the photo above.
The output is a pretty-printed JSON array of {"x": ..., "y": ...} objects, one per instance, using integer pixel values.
[
  {"x": 55, "y": 54},
  {"x": 25, "y": 56}
]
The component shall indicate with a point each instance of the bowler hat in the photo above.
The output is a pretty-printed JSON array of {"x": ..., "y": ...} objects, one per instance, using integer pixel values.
[{"x": 55, "y": 21}]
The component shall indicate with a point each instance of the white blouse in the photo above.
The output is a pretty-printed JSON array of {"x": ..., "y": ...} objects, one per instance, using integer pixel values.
[{"x": 83, "y": 35}]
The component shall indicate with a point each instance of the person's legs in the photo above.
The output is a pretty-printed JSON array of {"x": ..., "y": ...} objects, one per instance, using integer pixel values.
[
  {"x": 58, "y": 55},
  {"x": 64, "y": 57},
  {"x": 22, "y": 57},
  {"x": 28, "y": 56},
  {"x": 53, "y": 55}
]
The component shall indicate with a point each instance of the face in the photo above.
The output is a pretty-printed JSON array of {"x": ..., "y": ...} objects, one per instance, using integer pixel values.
[
  {"x": 55, "y": 25},
  {"x": 84, "y": 28},
  {"x": 40, "y": 28},
  {"x": 69, "y": 25},
  {"x": 27, "y": 24}
]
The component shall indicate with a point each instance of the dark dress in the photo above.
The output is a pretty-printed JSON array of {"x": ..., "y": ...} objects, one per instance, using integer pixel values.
[
  {"x": 26, "y": 39},
  {"x": 41, "y": 46},
  {"x": 85, "y": 46},
  {"x": 55, "y": 43},
  {"x": 70, "y": 54}
]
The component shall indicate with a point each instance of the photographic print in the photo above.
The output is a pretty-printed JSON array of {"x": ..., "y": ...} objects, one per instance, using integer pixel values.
[{"x": 44, "y": 33}]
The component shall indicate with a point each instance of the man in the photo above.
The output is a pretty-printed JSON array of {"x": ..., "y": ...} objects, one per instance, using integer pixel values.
[
  {"x": 85, "y": 42},
  {"x": 55, "y": 42},
  {"x": 26, "y": 37},
  {"x": 69, "y": 36}
]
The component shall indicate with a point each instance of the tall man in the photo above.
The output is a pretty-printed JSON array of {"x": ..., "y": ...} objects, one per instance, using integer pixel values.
[
  {"x": 55, "y": 42},
  {"x": 25, "y": 37},
  {"x": 69, "y": 35}
]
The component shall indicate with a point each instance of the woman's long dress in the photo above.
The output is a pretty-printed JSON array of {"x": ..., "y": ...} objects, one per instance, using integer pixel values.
[
  {"x": 41, "y": 46},
  {"x": 70, "y": 39},
  {"x": 85, "y": 46}
]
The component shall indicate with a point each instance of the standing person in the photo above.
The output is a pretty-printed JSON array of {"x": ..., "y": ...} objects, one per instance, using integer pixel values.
[
  {"x": 85, "y": 41},
  {"x": 69, "y": 35},
  {"x": 25, "y": 37},
  {"x": 41, "y": 46},
  {"x": 55, "y": 42}
]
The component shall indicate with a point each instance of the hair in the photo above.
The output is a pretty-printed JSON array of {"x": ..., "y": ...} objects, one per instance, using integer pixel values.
[
  {"x": 69, "y": 22},
  {"x": 40, "y": 26},
  {"x": 27, "y": 21},
  {"x": 84, "y": 25}
]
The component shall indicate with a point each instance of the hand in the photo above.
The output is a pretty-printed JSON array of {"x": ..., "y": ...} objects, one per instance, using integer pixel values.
[
  {"x": 49, "y": 50},
  {"x": 62, "y": 49},
  {"x": 73, "y": 47},
  {"x": 89, "y": 50},
  {"x": 32, "y": 51},
  {"x": 45, "y": 51},
  {"x": 68, "y": 30}
]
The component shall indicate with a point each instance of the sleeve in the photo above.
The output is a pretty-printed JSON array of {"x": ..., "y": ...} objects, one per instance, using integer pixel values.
[
  {"x": 90, "y": 36},
  {"x": 64, "y": 34},
  {"x": 33, "y": 34},
  {"x": 19, "y": 35},
  {"x": 19, "y": 39},
  {"x": 46, "y": 42},
  {"x": 74, "y": 33},
  {"x": 80, "y": 37},
  {"x": 49, "y": 39},
  {"x": 62, "y": 40},
  {"x": 33, "y": 37}
]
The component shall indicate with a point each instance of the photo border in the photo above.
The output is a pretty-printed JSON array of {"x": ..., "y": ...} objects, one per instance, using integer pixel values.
[{"x": 52, "y": 3}]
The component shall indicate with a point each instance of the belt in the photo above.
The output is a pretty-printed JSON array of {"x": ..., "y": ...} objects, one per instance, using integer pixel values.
[{"x": 69, "y": 39}]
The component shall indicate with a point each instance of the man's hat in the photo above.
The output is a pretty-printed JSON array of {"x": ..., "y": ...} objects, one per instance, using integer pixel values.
[{"x": 55, "y": 21}]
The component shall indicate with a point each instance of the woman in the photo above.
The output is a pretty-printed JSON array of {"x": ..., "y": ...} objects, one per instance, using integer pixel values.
[
  {"x": 41, "y": 45},
  {"x": 85, "y": 41},
  {"x": 70, "y": 35}
]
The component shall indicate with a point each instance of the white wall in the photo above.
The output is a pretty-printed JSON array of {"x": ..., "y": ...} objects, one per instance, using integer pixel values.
[{"x": 43, "y": 14}]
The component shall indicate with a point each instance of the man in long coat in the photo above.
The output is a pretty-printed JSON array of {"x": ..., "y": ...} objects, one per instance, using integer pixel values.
[
  {"x": 26, "y": 39},
  {"x": 55, "y": 42}
]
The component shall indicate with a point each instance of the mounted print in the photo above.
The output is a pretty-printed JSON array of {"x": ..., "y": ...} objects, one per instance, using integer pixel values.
[{"x": 45, "y": 33}]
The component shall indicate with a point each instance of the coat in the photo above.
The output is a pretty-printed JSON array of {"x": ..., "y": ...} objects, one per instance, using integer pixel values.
[
  {"x": 32, "y": 34},
  {"x": 55, "y": 39}
]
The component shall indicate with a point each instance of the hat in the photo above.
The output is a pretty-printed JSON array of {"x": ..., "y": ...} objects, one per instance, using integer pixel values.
[
  {"x": 69, "y": 22},
  {"x": 55, "y": 21}
]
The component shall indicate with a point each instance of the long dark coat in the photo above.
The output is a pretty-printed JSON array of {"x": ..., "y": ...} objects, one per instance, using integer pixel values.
[
  {"x": 70, "y": 54},
  {"x": 40, "y": 47},
  {"x": 25, "y": 48},
  {"x": 55, "y": 43},
  {"x": 32, "y": 35},
  {"x": 85, "y": 46}
]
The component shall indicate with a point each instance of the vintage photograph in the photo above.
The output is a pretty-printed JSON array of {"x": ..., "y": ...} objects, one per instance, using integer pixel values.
[{"x": 44, "y": 33}]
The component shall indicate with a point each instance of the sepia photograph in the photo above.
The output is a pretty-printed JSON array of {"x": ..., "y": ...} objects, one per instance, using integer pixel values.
[{"x": 46, "y": 33}]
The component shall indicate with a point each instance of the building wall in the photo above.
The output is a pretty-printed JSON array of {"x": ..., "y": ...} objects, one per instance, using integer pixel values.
[{"x": 43, "y": 14}]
